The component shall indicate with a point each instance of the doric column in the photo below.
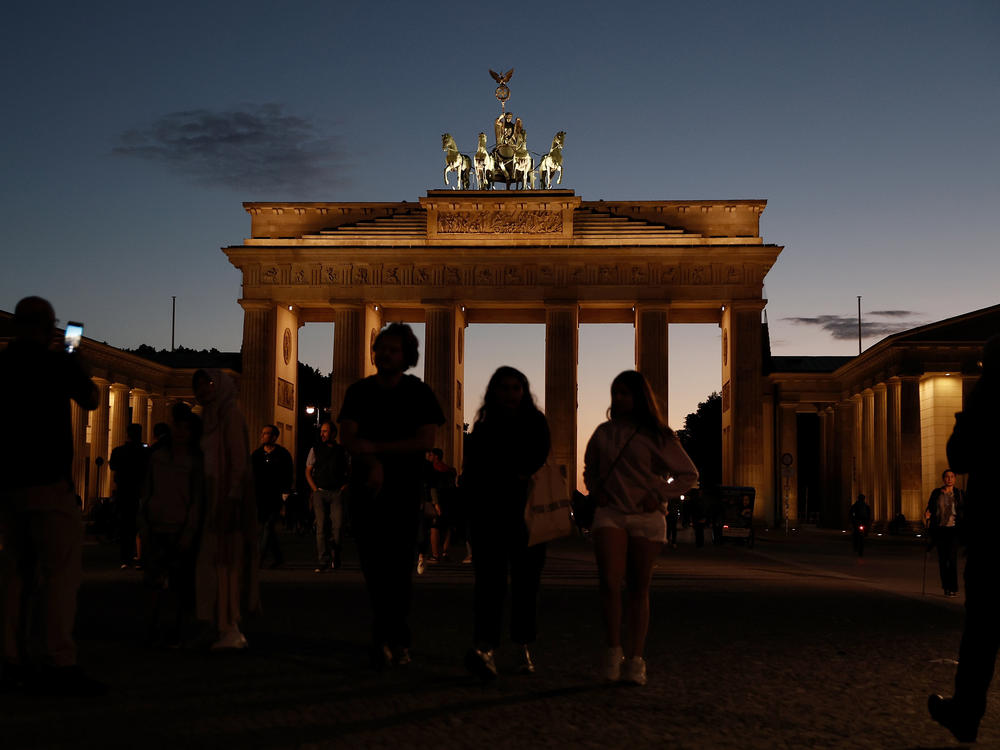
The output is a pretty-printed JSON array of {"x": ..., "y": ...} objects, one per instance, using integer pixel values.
[
  {"x": 824, "y": 502},
  {"x": 561, "y": 357},
  {"x": 910, "y": 468},
  {"x": 99, "y": 441},
  {"x": 844, "y": 457},
  {"x": 354, "y": 331},
  {"x": 160, "y": 412},
  {"x": 865, "y": 451},
  {"x": 118, "y": 425},
  {"x": 444, "y": 340},
  {"x": 257, "y": 380},
  {"x": 140, "y": 413},
  {"x": 652, "y": 347},
  {"x": 81, "y": 457},
  {"x": 787, "y": 442},
  {"x": 893, "y": 455},
  {"x": 742, "y": 399},
  {"x": 880, "y": 464}
]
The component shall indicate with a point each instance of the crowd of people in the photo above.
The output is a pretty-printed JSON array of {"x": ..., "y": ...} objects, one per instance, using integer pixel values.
[{"x": 198, "y": 512}]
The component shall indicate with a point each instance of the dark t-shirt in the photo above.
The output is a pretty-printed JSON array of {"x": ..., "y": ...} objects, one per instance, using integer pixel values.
[
  {"x": 36, "y": 431},
  {"x": 129, "y": 462},
  {"x": 273, "y": 474},
  {"x": 391, "y": 414}
]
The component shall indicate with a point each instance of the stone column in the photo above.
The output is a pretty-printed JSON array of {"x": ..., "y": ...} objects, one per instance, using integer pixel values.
[
  {"x": 444, "y": 340},
  {"x": 742, "y": 421},
  {"x": 652, "y": 352},
  {"x": 880, "y": 464},
  {"x": 865, "y": 450},
  {"x": 788, "y": 443},
  {"x": 257, "y": 380},
  {"x": 140, "y": 413},
  {"x": 910, "y": 467},
  {"x": 99, "y": 441},
  {"x": 562, "y": 323},
  {"x": 81, "y": 457},
  {"x": 118, "y": 424},
  {"x": 893, "y": 455},
  {"x": 160, "y": 411},
  {"x": 823, "y": 504},
  {"x": 846, "y": 428},
  {"x": 354, "y": 331}
]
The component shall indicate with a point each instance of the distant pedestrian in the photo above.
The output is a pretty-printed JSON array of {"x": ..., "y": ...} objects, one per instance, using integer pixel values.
[
  {"x": 944, "y": 523},
  {"x": 973, "y": 449},
  {"x": 226, "y": 574},
  {"x": 861, "y": 523},
  {"x": 508, "y": 444},
  {"x": 440, "y": 479},
  {"x": 634, "y": 465},
  {"x": 161, "y": 435},
  {"x": 273, "y": 473},
  {"x": 129, "y": 462},
  {"x": 327, "y": 469},
  {"x": 388, "y": 421},
  {"x": 170, "y": 512},
  {"x": 39, "y": 511}
]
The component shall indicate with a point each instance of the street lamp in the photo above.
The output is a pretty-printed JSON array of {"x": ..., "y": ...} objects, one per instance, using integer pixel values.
[{"x": 310, "y": 410}]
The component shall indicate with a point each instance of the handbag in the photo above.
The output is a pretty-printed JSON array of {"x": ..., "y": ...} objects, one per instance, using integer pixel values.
[
  {"x": 547, "y": 511},
  {"x": 584, "y": 506}
]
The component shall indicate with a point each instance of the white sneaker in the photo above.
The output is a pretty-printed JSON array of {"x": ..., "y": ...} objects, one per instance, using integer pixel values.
[
  {"x": 635, "y": 671},
  {"x": 612, "y": 669},
  {"x": 231, "y": 640}
]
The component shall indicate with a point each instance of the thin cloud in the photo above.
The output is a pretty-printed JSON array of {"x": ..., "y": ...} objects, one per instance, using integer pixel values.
[
  {"x": 258, "y": 147},
  {"x": 845, "y": 327}
]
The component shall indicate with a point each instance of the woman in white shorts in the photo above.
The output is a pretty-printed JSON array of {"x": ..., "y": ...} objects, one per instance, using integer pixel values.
[{"x": 633, "y": 465}]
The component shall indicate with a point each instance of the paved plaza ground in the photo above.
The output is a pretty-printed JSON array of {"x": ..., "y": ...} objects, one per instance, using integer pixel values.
[{"x": 795, "y": 643}]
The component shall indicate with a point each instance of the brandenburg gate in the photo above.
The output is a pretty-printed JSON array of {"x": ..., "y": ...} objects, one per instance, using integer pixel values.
[{"x": 525, "y": 256}]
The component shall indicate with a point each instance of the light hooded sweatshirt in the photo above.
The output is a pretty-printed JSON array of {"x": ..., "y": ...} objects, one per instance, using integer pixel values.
[{"x": 649, "y": 465}]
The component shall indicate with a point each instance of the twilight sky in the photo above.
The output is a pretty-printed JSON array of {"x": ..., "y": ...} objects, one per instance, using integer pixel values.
[{"x": 132, "y": 132}]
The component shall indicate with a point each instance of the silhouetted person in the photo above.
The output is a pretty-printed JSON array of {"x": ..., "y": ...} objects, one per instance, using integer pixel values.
[
  {"x": 129, "y": 462},
  {"x": 43, "y": 533},
  {"x": 327, "y": 468},
  {"x": 161, "y": 435},
  {"x": 388, "y": 421},
  {"x": 440, "y": 480},
  {"x": 944, "y": 519},
  {"x": 226, "y": 572},
  {"x": 273, "y": 474},
  {"x": 973, "y": 449},
  {"x": 508, "y": 444},
  {"x": 170, "y": 511},
  {"x": 634, "y": 464},
  {"x": 861, "y": 521}
]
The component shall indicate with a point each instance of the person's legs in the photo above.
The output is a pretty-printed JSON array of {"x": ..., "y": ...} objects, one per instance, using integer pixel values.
[
  {"x": 18, "y": 563},
  {"x": 610, "y": 547},
  {"x": 950, "y": 565},
  {"x": 526, "y": 565},
  {"x": 943, "y": 539},
  {"x": 489, "y": 562},
  {"x": 642, "y": 554},
  {"x": 57, "y": 535},
  {"x": 321, "y": 508},
  {"x": 981, "y": 635}
]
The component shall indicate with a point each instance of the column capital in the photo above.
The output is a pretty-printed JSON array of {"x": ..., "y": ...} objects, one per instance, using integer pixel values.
[
  {"x": 257, "y": 304},
  {"x": 652, "y": 307},
  {"x": 746, "y": 305},
  {"x": 879, "y": 388},
  {"x": 119, "y": 387}
]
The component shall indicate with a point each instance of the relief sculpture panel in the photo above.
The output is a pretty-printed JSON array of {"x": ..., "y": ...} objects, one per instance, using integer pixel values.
[{"x": 500, "y": 222}]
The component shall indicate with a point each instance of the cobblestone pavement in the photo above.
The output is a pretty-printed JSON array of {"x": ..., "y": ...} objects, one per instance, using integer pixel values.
[{"x": 793, "y": 644}]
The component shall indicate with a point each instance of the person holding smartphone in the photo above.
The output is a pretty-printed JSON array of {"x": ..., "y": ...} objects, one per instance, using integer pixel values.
[{"x": 39, "y": 511}]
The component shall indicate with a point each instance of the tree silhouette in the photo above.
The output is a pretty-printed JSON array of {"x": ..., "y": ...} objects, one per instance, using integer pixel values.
[{"x": 702, "y": 439}]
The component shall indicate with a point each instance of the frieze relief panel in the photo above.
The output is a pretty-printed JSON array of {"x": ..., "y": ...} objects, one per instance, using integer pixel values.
[
  {"x": 504, "y": 274},
  {"x": 500, "y": 222}
]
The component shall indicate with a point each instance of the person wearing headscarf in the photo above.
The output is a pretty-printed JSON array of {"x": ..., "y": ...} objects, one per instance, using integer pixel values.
[{"x": 226, "y": 576}]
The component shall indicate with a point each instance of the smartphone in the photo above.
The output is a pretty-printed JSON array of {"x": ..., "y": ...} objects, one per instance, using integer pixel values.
[{"x": 74, "y": 331}]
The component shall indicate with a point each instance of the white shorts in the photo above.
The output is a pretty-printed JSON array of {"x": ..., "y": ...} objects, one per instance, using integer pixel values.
[{"x": 651, "y": 526}]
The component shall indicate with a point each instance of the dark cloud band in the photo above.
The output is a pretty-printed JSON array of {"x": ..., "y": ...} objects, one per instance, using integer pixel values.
[
  {"x": 846, "y": 326},
  {"x": 254, "y": 148}
]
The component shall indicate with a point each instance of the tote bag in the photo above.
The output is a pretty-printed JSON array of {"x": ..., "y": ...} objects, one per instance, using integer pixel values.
[{"x": 547, "y": 512}]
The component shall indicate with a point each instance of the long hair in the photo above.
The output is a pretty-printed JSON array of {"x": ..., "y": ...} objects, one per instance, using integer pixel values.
[
  {"x": 645, "y": 407},
  {"x": 490, "y": 407}
]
